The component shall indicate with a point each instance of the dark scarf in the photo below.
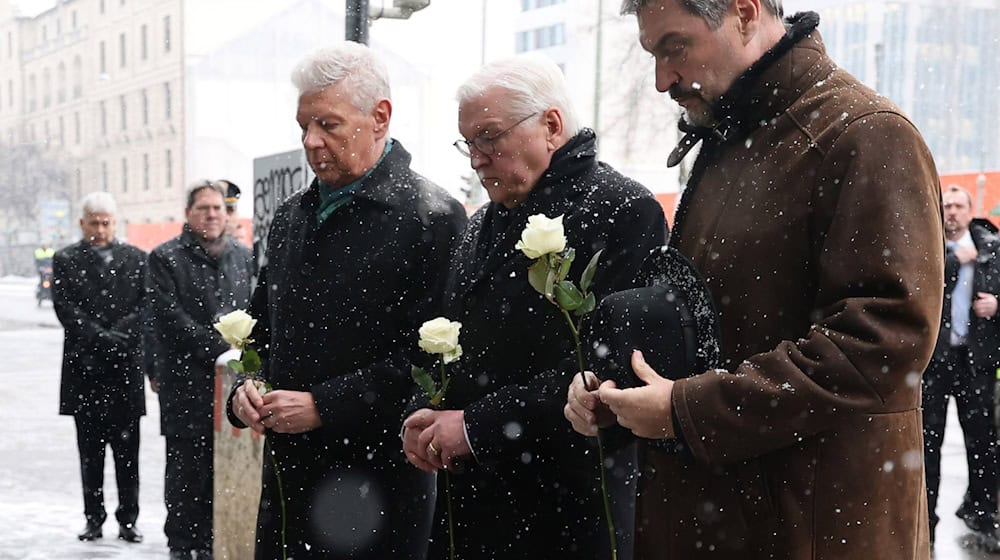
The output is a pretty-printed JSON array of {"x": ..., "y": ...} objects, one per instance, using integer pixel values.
[
  {"x": 739, "y": 109},
  {"x": 214, "y": 247}
]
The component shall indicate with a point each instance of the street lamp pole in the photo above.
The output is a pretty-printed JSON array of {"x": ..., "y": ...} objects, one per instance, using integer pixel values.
[
  {"x": 356, "y": 21},
  {"x": 980, "y": 194}
]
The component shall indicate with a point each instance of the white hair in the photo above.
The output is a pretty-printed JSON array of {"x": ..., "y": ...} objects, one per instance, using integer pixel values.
[
  {"x": 98, "y": 203},
  {"x": 535, "y": 84},
  {"x": 355, "y": 65}
]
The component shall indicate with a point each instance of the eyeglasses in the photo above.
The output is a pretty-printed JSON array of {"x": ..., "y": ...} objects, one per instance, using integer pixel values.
[{"x": 484, "y": 145}]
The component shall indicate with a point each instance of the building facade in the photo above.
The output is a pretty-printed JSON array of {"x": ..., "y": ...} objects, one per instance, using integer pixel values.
[
  {"x": 96, "y": 84},
  {"x": 938, "y": 62}
]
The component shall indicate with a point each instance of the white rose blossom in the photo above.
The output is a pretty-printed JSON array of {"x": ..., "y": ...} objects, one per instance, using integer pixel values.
[
  {"x": 440, "y": 336},
  {"x": 235, "y": 328},
  {"x": 542, "y": 236}
]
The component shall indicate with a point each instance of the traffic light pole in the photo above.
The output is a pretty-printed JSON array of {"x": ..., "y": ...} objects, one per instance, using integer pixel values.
[{"x": 356, "y": 22}]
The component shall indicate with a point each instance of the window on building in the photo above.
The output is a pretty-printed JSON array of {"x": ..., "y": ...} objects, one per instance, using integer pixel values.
[
  {"x": 540, "y": 38},
  {"x": 124, "y": 175},
  {"x": 123, "y": 110},
  {"x": 79, "y": 183},
  {"x": 76, "y": 128},
  {"x": 62, "y": 131},
  {"x": 102, "y": 60},
  {"x": 104, "y": 176},
  {"x": 121, "y": 50},
  {"x": 143, "y": 42},
  {"x": 73, "y": 18},
  {"x": 61, "y": 83},
  {"x": 103, "y": 107},
  {"x": 533, "y": 4},
  {"x": 166, "y": 33},
  {"x": 58, "y": 27},
  {"x": 77, "y": 77},
  {"x": 170, "y": 169},
  {"x": 45, "y": 34},
  {"x": 144, "y": 98},
  {"x": 47, "y": 139},
  {"x": 168, "y": 109},
  {"x": 46, "y": 88},
  {"x": 10, "y": 93},
  {"x": 10, "y": 44},
  {"x": 102, "y": 12},
  {"x": 32, "y": 93},
  {"x": 145, "y": 172}
]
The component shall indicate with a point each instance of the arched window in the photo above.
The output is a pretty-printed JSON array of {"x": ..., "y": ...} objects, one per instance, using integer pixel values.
[
  {"x": 77, "y": 77},
  {"x": 32, "y": 93},
  {"x": 61, "y": 83},
  {"x": 46, "y": 87}
]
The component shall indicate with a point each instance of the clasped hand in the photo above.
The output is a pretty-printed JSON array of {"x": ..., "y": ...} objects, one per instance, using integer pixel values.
[
  {"x": 433, "y": 439},
  {"x": 646, "y": 410},
  {"x": 286, "y": 412}
]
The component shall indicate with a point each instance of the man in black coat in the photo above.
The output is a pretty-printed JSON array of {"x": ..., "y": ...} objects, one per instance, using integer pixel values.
[
  {"x": 355, "y": 264},
  {"x": 531, "y": 485},
  {"x": 194, "y": 278},
  {"x": 964, "y": 364},
  {"x": 98, "y": 294}
]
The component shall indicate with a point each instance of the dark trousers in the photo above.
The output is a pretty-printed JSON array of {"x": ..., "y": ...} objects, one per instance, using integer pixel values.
[
  {"x": 187, "y": 491},
  {"x": 973, "y": 391},
  {"x": 94, "y": 432}
]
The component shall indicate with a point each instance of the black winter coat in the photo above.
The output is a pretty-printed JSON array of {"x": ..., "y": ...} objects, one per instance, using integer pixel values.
[
  {"x": 100, "y": 307},
  {"x": 533, "y": 489},
  {"x": 188, "y": 291},
  {"x": 338, "y": 306},
  {"x": 984, "y": 334}
]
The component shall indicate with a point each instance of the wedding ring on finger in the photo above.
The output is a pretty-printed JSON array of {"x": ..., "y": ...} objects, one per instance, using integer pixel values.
[{"x": 431, "y": 449}]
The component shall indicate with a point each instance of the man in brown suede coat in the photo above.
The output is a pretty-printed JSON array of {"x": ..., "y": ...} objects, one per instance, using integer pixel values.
[{"x": 813, "y": 214}]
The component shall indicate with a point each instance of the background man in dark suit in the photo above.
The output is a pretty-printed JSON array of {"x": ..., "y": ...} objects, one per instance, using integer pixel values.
[
  {"x": 965, "y": 360},
  {"x": 194, "y": 279},
  {"x": 98, "y": 294}
]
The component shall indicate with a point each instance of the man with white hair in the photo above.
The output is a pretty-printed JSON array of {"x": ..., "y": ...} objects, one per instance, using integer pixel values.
[
  {"x": 98, "y": 292},
  {"x": 356, "y": 263},
  {"x": 531, "y": 487}
]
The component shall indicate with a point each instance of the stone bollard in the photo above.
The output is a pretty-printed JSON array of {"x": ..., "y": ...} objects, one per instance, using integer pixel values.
[{"x": 238, "y": 457}]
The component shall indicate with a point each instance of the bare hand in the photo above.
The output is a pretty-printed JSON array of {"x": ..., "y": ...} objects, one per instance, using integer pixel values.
[
  {"x": 644, "y": 410},
  {"x": 247, "y": 403},
  {"x": 289, "y": 412},
  {"x": 418, "y": 455},
  {"x": 583, "y": 409},
  {"x": 985, "y": 305},
  {"x": 444, "y": 438},
  {"x": 966, "y": 253}
]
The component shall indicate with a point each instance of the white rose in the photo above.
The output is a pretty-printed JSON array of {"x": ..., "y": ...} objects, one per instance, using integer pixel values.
[
  {"x": 542, "y": 235},
  {"x": 440, "y": 336},
  {"x": 236, "y": 327}
]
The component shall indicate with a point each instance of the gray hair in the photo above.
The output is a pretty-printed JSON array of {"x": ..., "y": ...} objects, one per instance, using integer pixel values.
[
  {"x": 361, "y": 71},
  {"x": 535, "y": 84},
  {"x": 193, "y": 190},
  {"x": 712, "y": 11},
  {"x": 98, "y": 203}
]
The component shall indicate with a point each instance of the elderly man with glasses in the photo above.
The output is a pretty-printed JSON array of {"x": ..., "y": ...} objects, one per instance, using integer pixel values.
[{"x": 503, "y": 420}]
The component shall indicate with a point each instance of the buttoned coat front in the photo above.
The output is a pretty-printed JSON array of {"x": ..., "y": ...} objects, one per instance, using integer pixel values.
[{"x": 339, "y": 304}]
